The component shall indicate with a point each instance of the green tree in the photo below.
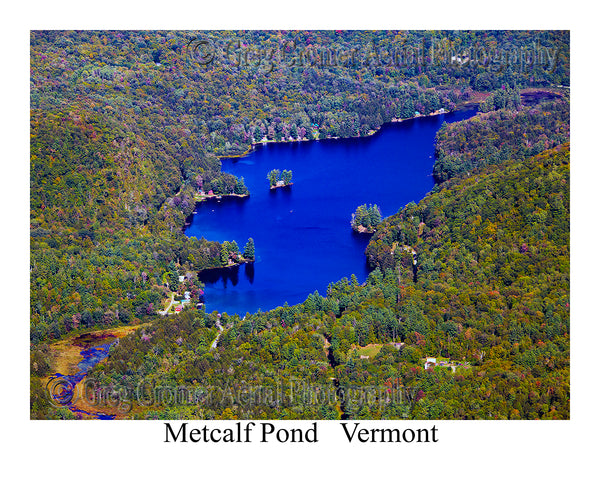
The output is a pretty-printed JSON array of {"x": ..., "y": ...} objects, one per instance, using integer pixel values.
[
  {"x": 366, "y": 217},
  {"x": 374, "y": 215},
  {"x": 249, "y": 249},
  {"x": 240, "y": 187},
  {"x": 273, "y": 177},
  {"x": 286, "y": 176},
  {"x": 225, "y": 253},
  {"x": 173, "y": 276},
  {"x": 359, "y": 216}
]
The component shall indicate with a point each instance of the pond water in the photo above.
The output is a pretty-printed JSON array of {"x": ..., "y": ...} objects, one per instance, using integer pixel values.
[{"x": 302, "y": 233}]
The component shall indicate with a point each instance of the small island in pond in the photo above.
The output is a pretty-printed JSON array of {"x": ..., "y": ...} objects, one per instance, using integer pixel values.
[
  {"x": 366, "y": 219},
  {"x": 278, "y": 179},
  {"x": 231, "y": 256}
]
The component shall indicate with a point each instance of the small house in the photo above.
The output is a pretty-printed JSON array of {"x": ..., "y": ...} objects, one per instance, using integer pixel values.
[{"x": 430, "y": 362}]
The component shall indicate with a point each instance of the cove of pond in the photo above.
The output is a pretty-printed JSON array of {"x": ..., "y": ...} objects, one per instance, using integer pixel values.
[{"x": 302, "y": 233}]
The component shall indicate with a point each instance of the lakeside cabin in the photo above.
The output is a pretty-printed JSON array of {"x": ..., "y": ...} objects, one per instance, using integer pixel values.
[{"x": 430, "y": 362}]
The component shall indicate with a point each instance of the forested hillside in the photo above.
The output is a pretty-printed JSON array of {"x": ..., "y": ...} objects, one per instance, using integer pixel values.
[
  {"x": 490, "y": 294},
  {"x": 495, "y": 137}
]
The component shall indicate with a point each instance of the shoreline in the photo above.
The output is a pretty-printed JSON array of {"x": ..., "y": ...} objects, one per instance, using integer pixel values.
[
  {"x": 473, "y": 102},
  {"x": 253, "y": 145},
  {"x": 361, "y": 230},
  {"x": 275, "y": 187},
  {"x": 466, "y": 104},
  {"x": 364, "y": 230},
  {"x": 245, "y": 261},
  {"x": 200, "y": 198}
]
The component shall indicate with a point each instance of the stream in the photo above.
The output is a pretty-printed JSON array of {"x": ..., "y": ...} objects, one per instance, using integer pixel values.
[{"x": 65, "y": 390}]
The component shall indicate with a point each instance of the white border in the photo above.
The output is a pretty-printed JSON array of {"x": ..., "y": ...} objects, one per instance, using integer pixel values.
[{"x": 467, "y": 449}]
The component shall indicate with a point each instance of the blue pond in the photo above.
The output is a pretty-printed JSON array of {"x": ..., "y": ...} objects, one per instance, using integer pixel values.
[{"x": 302, "y": 233}]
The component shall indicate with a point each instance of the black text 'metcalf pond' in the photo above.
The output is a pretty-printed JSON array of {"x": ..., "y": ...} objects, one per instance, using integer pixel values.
[{"x": 302, "y": 233}]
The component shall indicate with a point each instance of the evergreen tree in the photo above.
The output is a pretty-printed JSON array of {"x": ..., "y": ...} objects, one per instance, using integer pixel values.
[
  {"x": 374, "y": 215},
  {"x": 286, "y": 176},
  {"x": 249, "y": 249},
  {"x": 358, "y": 218},
  {"x": 240, "y": 187},
  {"x": 367, "y": 217},
  {"x": 173, "y": 276},
  {"x": 225, "y": 253},
  {"x": 273, "y": 177}
]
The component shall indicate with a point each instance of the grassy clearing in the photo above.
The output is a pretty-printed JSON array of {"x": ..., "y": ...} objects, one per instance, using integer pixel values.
[{"x": 370, "y": 350}]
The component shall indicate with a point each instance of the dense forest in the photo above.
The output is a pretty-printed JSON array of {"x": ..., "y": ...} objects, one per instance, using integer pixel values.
[
  {"x": 507, "y": 133},
  {"x": 491, "y": 295},
  {"x": 128, "y": 127}
]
